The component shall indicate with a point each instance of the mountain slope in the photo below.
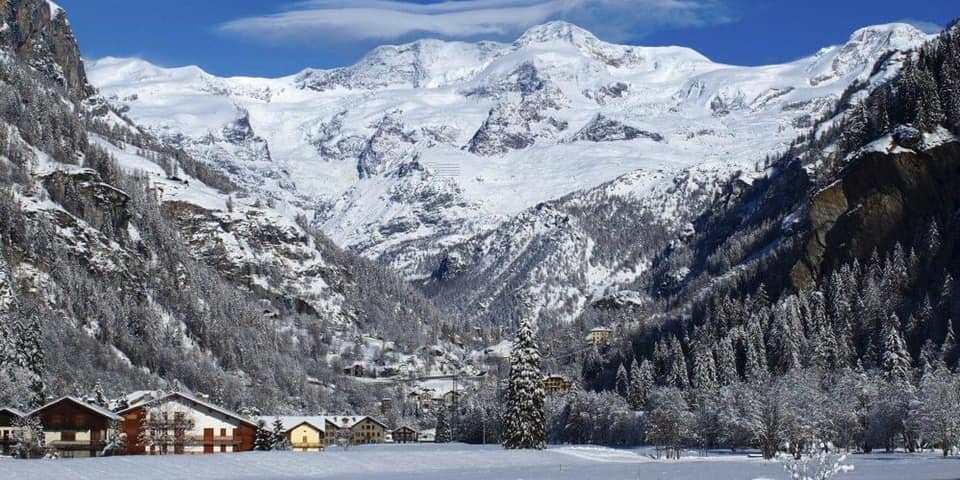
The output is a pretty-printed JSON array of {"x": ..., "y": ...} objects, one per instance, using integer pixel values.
[
  {"x": 158, "y": 268},
  {"x": 395, "y": 160}
]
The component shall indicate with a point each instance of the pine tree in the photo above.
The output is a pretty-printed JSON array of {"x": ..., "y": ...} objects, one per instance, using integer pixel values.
[
  {"x": 896, "y": 359},
  {"x": 726, "y": 362},
  {"x": 623, "y": 380},
  {"x": 704, "y": 370},
  {"x": 678, "y": 375},
  {"x": 278, "y": 437},
  {"x": 524, "y": 416},
  {"x": 263, "y": 439},
  {"x": 635, "y": 389},
  {"x": 442, "y": 434},
  {"x": 99, "y": 397},
  {"x": 32, "y": 358},
  {"x": 122, "y": 403},
  {"x": 948, "y": 346}
]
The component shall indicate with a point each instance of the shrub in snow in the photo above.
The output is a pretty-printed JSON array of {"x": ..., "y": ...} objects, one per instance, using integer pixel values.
[{"x": 819, "y": 465}]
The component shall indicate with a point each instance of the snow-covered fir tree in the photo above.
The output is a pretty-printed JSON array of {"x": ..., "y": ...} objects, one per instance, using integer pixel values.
[
  {"x": 623, "y": 380},
  {"x": 442, "y": 434},
  {"x": 99, "y": 397},
  {"x": 263, "y": 439},
  {"x": 278, "y": 436},
  {"x": 524, "y": 415},
  {"x": 896, "y": 358}
]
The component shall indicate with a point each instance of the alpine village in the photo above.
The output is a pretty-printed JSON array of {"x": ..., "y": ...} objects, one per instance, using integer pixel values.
[{"x": 490, "y": 250}]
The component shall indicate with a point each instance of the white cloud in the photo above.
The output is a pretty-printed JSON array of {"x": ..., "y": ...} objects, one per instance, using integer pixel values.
[{"x": 360, "y": 20}]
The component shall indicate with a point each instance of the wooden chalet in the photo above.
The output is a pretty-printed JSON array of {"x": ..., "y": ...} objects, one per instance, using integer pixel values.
[
  {"x": 74, "y": 427},
  {"x": 8, "y": 425},
  {"x": 405, "y": 434}
]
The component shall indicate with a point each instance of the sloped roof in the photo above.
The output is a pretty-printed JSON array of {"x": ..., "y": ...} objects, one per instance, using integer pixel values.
[
  {"x": 348, "y": 421},
  {"x": 290, "y": 422},
  {"x": 13, "y": 411},
  {"x": 195, "y": 401},
  {"x": 93, "y": 408}
]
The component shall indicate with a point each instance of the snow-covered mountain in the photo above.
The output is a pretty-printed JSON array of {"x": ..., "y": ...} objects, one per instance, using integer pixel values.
[{"x": 446, "y": 140}]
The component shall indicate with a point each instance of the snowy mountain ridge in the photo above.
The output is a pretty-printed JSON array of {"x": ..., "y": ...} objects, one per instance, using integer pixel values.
[{"x": 419, "y": 148}]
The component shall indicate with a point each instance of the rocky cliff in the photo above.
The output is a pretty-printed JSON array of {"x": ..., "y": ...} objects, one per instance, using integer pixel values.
[{"x": 38, "y": 32}]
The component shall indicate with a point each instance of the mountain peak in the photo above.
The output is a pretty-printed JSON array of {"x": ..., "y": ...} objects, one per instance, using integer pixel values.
[
  {"x": 889, "y": 35},
  {"x": 556, "y": 31}
]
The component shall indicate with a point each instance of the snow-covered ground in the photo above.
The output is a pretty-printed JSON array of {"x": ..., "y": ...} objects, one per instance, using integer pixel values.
[{"x": 428, "y": 462}]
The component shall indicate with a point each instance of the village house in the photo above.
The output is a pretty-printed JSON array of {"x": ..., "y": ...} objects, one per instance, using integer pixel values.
[
  {"x": 405, "y": 434},
  {"x": 303, "y": 433},
  {"x": 74, "y": 427},
  {"x": 179, "y": 423},
  {"x": 356, "y": 430},
  {"x": 599, "y": 335},
  {"x": 452, "y": 397},
  {"x": 557, "y": 385},
  {"x": 8, "y": 425},
  {"x": 355, "y": 370}
]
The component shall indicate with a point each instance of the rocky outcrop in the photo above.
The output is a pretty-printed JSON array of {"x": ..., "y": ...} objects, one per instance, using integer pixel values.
[
  {"x": 38, "y": 31},
  {"x": 388, "y": 146},
  {"x": 880, "y": 198},
  {"x": 604, "y": 129}
]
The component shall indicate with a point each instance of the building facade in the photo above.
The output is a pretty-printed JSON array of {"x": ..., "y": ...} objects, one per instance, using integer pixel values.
[
  {"x": 8, "y": 425},
  {"x": 76, "y": 428},
  {"x": 306, "y": 437},
  {"x": 599, "y": 335},
  {"x": 178, "y": 423},
  {"x": 557, "y": 385},
  {"x": 405, "y": 434}
]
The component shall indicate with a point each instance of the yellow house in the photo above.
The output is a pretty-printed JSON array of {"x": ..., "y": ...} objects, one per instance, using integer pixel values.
[
  {"x": 599, "y": 335},
  {"x": 307, "y": 436},
  {"x": 556, "y": 384},
  {"x": 303, "y": 433}
]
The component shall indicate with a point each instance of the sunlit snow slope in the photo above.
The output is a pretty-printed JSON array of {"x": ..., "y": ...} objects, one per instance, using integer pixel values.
[{"x": 432, "y": 143}]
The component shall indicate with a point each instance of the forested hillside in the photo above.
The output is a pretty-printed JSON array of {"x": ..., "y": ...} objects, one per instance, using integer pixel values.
[
  {"x": 821, "y": 299},
  {"x": 127, "y": 263}
]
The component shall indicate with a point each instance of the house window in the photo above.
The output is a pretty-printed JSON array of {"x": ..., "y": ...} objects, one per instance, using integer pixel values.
[
  {"x": 223, "y": 432},
  {"x": 68, "y": 436}
]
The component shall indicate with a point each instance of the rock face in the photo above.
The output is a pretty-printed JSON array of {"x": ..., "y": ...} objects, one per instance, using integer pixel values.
[
  {"x": 603, "y": 129},
  {"x": 880, "y": 198},
  {"x": 38, "y": 31}
]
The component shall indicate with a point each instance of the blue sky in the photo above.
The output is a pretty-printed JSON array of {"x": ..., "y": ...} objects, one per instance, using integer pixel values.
[{"x": 280, "y": 37}]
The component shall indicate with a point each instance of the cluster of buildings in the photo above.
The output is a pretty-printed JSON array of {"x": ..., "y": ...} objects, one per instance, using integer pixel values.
[{"x": 157, "y": 423}]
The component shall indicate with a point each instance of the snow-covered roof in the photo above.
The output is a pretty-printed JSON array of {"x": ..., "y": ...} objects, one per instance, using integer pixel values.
[
  {"x": 139, "y": 397},
  {"x": 195, "y": 401},
  {"x": 290, "y": 422},
  {"x": 13, "y": 411},
  {"x": 319, "y": 422},
  {"x": 89, "y": 406},
  {"x": 601, "y": 329}
]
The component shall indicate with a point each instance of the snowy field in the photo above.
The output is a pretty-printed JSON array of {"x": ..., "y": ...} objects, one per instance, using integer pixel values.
[{"x": 435, "y": 462}]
